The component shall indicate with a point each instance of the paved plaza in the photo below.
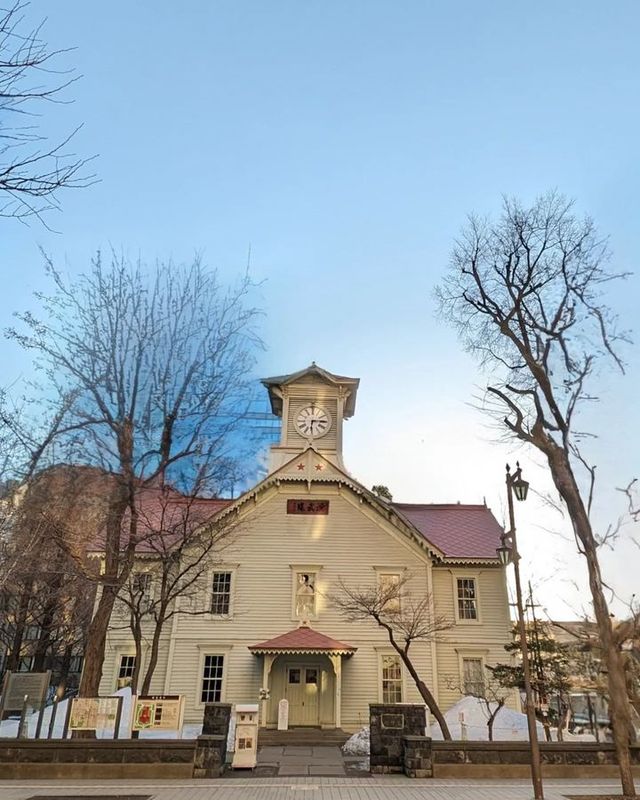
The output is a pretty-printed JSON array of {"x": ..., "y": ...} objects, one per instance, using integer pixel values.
[
  {"x": 300, "y": 788},
  {"x": 296, "y": 761}
]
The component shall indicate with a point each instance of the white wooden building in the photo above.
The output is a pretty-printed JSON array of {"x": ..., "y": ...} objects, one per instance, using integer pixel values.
[{"x": 269, "y": 620}]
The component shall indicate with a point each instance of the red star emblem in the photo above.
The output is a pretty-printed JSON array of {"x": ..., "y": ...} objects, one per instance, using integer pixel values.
[
  {"x": 319, "y": 467},
  {"x": 300, "y": 466}
]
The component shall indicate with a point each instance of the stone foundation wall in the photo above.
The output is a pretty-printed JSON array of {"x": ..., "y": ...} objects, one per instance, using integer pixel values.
[
  {"x": 512, "y": 760},
  {"x": 121, "y": 758},
  {"x": 96, "y": 758},
  {"x": 418, "y": 757}
]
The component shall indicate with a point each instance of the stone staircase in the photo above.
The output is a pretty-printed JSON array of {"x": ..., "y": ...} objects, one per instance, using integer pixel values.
[{"x": 302, "y": 737}]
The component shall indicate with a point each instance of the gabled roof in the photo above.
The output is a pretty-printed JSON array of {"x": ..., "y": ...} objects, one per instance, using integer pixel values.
[
  {"x": 460, "y": 531},
  {"x": 303, "y": 640},
  {"x": 166, "y": 519},
  {"x": 312, "y": 370},
  {"x": 310, "y": 459}
]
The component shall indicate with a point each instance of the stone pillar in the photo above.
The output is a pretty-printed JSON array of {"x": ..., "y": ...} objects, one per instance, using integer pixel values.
[
  {"x": 389, "y": 725},
  {"x": 211, "y": 753},
  {"x": 417, "y": 757},
  {"x": 211, "y": 749},
  {"x": 216, "y": 719}
]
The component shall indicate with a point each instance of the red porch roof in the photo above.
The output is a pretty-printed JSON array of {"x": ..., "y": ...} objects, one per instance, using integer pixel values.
[{"x": 303, "y": 640}]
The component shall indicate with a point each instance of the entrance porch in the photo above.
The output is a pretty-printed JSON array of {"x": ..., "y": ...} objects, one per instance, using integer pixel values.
[{"x": 303, "y": 667}]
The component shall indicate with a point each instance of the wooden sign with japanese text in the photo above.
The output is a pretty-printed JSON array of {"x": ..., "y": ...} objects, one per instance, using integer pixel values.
[{"x": 307, "y": 506}]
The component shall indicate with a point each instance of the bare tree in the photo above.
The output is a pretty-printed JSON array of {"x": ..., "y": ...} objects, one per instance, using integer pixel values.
[
  {"x": 33, "y": 170},
  {"x": 525, "y": 293},
  {"x": 47, "y": 601},
  {"x": 405, "y": 618},
  {"x": 490, "y": 693},
  {"x": 158, "y": 365},
  {"x": 184, "y": 542}
]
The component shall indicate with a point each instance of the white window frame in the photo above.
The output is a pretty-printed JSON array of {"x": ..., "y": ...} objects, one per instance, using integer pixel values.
[
  {"x": 122, "y": 655},
  {"x": 297, "y": 569},
  {"x": 395, "y": 572},
  {"x": 221, "y": 571},
  {"x": 456, "y": 576},
  {"x": 390, "y": 652},
  {"x": 470, "y": 651},
  {"x": 472, "y": 657},
  {"x": 231, "y": 568},
  {"x": 148, "y": 592},
  {"x": 205, "y": 650}
]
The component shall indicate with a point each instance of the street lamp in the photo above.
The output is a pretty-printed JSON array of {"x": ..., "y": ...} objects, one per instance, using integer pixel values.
[{"x": 508, "y": 554}]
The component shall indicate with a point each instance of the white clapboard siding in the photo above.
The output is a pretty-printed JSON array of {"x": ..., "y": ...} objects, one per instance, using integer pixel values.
[
  {"x": 349, "y": 544},
  {"x": 484, "y": 639}
]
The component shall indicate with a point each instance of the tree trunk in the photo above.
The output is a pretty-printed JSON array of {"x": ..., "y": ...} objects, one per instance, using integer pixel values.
[
  {"x": 153, "y": 656},
  {"x": 63, "y": 675},
  {"x": 95, "y": 646},
  {"x": 425, "y": 693},
  {"x": 13, "y": 660},
  {"x": 136, "y": 631},
  {"x": 566, "y": 485},
  {"x": 44, "y": 640},
  {"x": 490, "y": 722},
  {"x": 116, "y": 572}
]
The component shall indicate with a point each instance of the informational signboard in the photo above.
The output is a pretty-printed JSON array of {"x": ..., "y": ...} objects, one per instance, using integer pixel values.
[
  {"x": 17, "y": 685},
  {"x": 160, "y": 712},
  {"x": 93, "y": 713}
]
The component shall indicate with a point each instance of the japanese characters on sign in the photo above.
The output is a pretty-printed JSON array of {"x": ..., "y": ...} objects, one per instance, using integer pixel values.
[
  {"x": 18, "y": 684},
  {"x": 162, "y": 712},
  {"x": 307, "y": 506},
  {"x": 93, "y": 713}
]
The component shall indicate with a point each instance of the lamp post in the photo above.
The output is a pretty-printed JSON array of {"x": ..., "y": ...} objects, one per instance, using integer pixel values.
[{"x": 508, "y": 553}]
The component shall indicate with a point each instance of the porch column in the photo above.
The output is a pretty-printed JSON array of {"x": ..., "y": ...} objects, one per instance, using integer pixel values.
[
  {"x": 336, "y": 660},
  {"x": 266, "y": 670}
]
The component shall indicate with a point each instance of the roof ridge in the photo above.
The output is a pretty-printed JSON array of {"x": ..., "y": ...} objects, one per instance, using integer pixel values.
[{"x": 440, "y": 505}]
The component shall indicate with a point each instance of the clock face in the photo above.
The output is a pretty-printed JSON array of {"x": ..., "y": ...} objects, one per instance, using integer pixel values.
[{"x": 313, "y": 421}]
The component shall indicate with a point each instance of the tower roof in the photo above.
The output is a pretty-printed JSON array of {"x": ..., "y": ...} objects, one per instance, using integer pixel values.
[{"x": 313, "y": 370}]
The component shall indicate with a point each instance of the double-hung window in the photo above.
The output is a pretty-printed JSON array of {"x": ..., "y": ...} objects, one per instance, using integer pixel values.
[
  {"x": 212, "y": 679},
  {"x": 473, "y": 676},
  {"x": 221, "y": 593},
  {"x": 389, "y": 588},
  {"x": 467, "y": 599},
  {"x": 125, "y": 671},
  {"x": 391, "y": 668},
  {"x": 141, "y": 583}
]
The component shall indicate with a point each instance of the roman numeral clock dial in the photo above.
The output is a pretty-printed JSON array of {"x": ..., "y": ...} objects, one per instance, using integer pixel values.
[{"x": 313, "y": 421}]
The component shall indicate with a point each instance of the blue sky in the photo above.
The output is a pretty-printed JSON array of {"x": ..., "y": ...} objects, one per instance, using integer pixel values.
[{"x": 345, "y": 143}]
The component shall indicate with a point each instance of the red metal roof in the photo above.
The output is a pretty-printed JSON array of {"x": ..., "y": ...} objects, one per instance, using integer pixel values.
[
  {"x": 303, "y": 639},
  {"x": 463, "y": 531},
  {"x": 166, "y": 519}
]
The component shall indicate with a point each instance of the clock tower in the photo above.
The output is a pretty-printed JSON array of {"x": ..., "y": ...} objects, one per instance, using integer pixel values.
[{"x": 313, "y": 405}]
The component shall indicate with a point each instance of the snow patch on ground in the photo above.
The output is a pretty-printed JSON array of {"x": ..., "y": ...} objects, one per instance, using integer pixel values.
[
  {"x": 467, "y": 719},
  {"x": 358, "y": 744}
]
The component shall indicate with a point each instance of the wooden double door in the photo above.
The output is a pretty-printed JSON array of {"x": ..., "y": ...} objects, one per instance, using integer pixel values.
[{"x": 302, "y": 690}]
